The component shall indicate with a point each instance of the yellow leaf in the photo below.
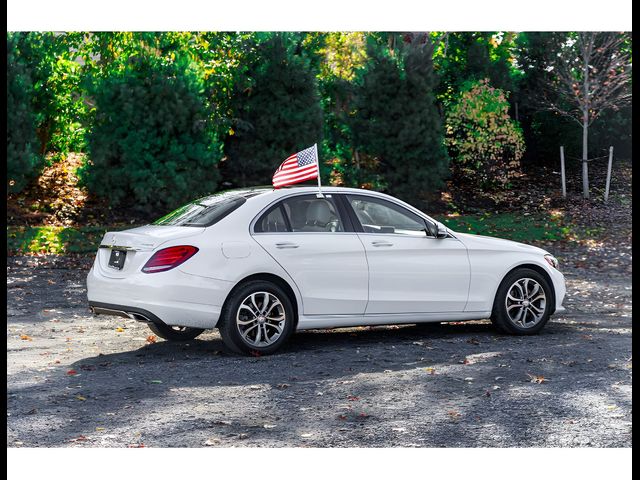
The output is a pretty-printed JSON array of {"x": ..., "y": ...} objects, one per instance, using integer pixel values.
[
  {"x": 119, "y": 329},
  {"x": 80, "y": 397}
]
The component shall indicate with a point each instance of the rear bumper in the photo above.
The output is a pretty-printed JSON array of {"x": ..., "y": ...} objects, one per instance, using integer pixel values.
[{"x": 173, "y": 297}]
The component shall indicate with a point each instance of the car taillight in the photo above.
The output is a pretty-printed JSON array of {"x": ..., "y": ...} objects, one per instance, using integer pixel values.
[{"x": 169, "y": 258}]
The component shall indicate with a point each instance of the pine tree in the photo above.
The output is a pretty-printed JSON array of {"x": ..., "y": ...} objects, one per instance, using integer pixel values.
[
  {"x": 276, "y": 113},
  {"x": 23, "y": 163},
  {"x": 397, "y": 121}
]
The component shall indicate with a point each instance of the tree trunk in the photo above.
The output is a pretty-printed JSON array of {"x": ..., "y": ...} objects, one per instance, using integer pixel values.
[
  {"x": 585, "y": 151},
  {"x": 586, "y": 56}
]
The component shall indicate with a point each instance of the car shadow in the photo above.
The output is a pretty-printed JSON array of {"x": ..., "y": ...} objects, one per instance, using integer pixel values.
[{"x": 129, "y": 382}]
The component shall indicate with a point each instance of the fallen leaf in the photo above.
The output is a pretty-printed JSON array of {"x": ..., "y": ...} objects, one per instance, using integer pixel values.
[
  {"x": 26, "y": 337},
  {"x": 72, "y": 372},
  {"x": 119, "y": 329},
  {"x": 81, "y": 398},
  {"x": 152, "y": 339},
  {"x": 430, "y": 370},
  {"x": 537, "y": 378}
]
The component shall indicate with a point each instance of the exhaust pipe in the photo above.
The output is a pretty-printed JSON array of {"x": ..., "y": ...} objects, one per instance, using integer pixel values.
[{"x": 120, "y": 313}]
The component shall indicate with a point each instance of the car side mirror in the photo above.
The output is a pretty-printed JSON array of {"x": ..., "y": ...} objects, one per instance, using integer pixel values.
[{"x": 442, "y": 231}]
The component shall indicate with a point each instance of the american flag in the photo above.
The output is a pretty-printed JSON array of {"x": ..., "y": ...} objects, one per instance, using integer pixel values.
[{"x": 297, "y": 168}]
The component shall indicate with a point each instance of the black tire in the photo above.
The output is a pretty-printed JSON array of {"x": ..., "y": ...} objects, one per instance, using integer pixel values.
[
  {"x": 500, "y": 317},
  {"x": 175, "y": 334},
  {"x": 230, "y": 330}
]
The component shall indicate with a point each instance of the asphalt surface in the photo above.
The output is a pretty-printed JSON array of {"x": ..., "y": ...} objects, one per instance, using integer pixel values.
[{"x": 75, "y": 380}]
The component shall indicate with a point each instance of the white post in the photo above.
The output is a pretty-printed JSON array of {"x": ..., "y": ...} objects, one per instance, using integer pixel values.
[
  {"x": 564, "y": 181},
  {"x": 319, "y": 194},
  {"x": 606, "y": 190}
]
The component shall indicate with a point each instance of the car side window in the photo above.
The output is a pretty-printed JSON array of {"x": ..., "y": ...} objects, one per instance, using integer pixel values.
[
  {"x": 380, "y": 216},
  {"x": 272, "y": 221},
  {"x": 308, "y": 213},
  {"x": 302, "y": 213}
]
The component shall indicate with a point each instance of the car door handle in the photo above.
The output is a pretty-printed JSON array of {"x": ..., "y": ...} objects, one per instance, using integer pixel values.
[
  {"x": 287, "y": 245},
  {"x": 382, "y": 244}
]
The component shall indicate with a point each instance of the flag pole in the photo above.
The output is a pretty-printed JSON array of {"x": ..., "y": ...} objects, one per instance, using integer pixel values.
[{"x": 319, "y": 194}]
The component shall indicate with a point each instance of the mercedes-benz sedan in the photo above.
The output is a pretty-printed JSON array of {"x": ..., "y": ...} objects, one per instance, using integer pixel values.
[{"x": 259, "y": 264}]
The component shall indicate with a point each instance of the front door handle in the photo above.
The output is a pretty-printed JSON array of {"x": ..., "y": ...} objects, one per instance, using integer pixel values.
[
  {"x": 382, "y": 244},
  {"x": 287, "y": 245}
]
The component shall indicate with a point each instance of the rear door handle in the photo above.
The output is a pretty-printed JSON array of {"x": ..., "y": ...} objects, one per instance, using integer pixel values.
[
  {"x": 382, "y": 244},
  {"x": 287, "y": 245}
]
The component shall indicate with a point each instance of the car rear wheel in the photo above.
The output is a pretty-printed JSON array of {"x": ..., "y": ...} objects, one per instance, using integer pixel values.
[
  {"x": 173, "y": 333},
  {"x": 523, "y": 304},
  {"x": 258, "y": 318}
]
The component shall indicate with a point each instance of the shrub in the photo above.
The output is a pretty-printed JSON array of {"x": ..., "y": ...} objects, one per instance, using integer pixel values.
[
  {"x": 276, "y": 112},
  {"x": 484, "y": 143},
  {"x": 151, "y": 145},
  {"x": 23, "y": 163}
]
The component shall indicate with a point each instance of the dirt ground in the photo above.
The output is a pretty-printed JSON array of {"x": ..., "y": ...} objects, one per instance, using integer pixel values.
[{"x": 83, "y": 381}]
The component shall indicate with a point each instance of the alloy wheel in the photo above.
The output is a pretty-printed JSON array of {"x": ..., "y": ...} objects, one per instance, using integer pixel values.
[
  {"x": 526, "y": 302},
  {"x": 260, "y": 319}
]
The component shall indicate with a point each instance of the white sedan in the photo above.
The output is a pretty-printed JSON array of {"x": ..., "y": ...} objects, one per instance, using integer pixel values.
[{"x": 259, "y": 264}]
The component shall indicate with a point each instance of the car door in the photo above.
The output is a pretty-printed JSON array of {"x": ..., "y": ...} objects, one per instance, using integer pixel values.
[
  {"x": 410, "y": 270},
  {"x": 314, "y": 241}
]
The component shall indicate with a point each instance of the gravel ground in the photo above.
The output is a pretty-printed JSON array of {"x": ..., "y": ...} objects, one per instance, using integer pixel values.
[{"x": 82, "y": 381}]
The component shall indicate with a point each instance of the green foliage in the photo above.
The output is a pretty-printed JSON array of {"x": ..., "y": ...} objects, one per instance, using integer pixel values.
[
  {"x": 23, "y": 163},
  {"x": 461, "y": 57},
  {"x": 276, "y": 112},
  {"x": 151, "y": 145},
  {"x": 396, "y": 126},
  {"x": 485, "y": 144},
  {"x": 56, "y": 92},
  {"x": 54, "y": 240}
]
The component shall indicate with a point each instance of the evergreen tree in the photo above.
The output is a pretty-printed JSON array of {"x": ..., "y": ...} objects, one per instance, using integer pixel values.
[
  {"x": 397, "y": 122},
  {"x": 23, "y": 163},
  {"x": 276, "y": 113},
  {"x": 151, "y": 145}
]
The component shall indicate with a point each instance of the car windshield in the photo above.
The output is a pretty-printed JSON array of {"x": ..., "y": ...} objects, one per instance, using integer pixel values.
[{"x": 207, "y": 211}]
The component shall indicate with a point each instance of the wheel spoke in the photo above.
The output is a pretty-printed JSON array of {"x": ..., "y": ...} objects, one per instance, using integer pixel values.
[
  {"x": 260, "y": 319},
  {"x": 521, "y": 309}
]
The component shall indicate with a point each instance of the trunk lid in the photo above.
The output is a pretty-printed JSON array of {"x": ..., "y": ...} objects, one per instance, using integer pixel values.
[{"x": 138, "y": 243}]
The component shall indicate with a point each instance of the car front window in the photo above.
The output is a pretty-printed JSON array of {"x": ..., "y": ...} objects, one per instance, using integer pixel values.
[{"x": 379, "y": 216}]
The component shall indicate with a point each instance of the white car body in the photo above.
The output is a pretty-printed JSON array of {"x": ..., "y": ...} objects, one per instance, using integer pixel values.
[{"x": 338, "y": 279}]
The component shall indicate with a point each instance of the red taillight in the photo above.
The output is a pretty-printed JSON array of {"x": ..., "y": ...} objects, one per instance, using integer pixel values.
[{"x": 169, "y": 258}]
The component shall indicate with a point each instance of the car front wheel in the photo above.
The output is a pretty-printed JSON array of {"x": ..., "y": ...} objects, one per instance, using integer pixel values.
[
  {"x": 258, "y": 318},
  {"x": 523, "y": 303}
]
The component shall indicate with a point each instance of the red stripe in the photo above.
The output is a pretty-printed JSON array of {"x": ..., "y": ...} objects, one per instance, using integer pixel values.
[
  {"x": 288, "y": 164},
  {"x": 297, "y": 170},
  {"x": 294, "y": 179},
  {"x": 291, "y": 174}
]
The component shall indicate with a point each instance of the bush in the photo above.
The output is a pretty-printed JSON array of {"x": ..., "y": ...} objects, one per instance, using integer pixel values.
[
  {"x": 276, "y": 112},
  {"x": 396, "y": 125},
  {"x": 484, "y": 143},
  {"x": 23, "y": 163},
  {"x": 151, "y": 144}
]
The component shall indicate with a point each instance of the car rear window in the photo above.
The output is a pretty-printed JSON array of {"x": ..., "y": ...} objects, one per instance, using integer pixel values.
[{"x": 202, "y": 213}]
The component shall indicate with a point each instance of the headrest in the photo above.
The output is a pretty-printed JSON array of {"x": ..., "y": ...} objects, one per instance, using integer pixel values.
[{"x": 319, "y": 212}]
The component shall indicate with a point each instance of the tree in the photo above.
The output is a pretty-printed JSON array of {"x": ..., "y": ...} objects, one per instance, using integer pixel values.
[
  {"x": 152, "y": 145},
  {"x": 276, "y": 112},
  {"x": 396, "y": 122},
  {"x": 589, "y": 73},
  {"x": 23, "y": 161}
]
